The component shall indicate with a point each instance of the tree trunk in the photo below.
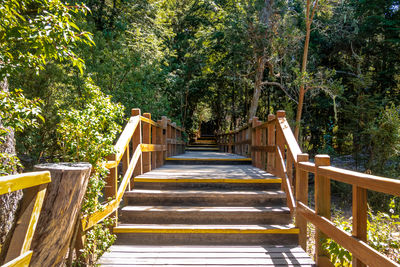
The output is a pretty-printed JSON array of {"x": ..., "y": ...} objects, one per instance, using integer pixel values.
[
  {"x": 265, "y": 18},
  {"x": 62, "y": 205},
  {"x": 9, "y": 203},
  {"x": 309, "y": 18},
  {"x": 257, "y": 87}
]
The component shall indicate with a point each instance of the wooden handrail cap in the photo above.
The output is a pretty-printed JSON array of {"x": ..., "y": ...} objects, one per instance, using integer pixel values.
[
  {"x": 147, "y": 115},
  {"x": 322, "y": 160},
  {"x": 135, "y": 111},
  {"x": 271, "y": 117},
  {"x": 302, "y": 157},
  {"x": 281, "y": 113}
]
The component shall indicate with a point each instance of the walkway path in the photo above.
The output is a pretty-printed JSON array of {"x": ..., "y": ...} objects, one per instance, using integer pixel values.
[{"x": 213, "y": 214}]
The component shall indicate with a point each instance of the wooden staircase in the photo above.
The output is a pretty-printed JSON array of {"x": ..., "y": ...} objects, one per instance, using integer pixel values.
[{"x": 205, "y": 208}]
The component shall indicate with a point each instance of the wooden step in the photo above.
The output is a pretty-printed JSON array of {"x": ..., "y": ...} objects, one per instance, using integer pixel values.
[
  {"x": 133, "y": 255},
  {"x": 205, "y": 215},
  {"x": 204, "y": 197},
  {"x": 196, "y": 148},
  {"x": 208, "y": 161},
  {"x": 190, "y": 234}
]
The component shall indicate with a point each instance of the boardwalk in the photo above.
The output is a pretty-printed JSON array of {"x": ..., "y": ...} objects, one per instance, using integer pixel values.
[{"x": 206, "y": 208}]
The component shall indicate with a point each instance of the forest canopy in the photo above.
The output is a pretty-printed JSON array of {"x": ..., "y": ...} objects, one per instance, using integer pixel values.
[{"x": 71, "y": 72}]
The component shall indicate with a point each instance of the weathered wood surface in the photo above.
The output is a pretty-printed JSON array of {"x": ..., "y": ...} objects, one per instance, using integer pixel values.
[
  {"x": 207, "y": 155},
  {"x": 120, "y": 255},
  {"x": 61, "y": 207}
]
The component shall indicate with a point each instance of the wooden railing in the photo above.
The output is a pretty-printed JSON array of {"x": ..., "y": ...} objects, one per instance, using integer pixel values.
[
  {"x": 274, "y": 149},
  {"x": 34, "y": 185},
  {"x": 142, "y": 146}
]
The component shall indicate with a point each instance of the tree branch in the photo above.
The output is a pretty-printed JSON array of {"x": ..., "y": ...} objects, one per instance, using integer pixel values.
[{"x": 280, "y": 86}]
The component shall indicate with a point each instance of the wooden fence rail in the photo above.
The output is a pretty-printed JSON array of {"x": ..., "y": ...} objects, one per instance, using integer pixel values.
[
  {"x": 34, "y": 185},
  {"x": 273, "y": 147},
  {"x": 142, "y": 146}
]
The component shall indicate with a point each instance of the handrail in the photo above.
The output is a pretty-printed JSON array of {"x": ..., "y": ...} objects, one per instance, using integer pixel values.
[
  {"x": 36, "y": 183},
  {"x": 274, "y": 148},
  {"x": 151, "y": 142}
]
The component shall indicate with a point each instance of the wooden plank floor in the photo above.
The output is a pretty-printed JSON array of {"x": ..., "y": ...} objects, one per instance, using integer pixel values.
[
  {"x": 122, "y": 255},
  {"x": 207, "y": 155},
  {"x": 203, "y": 197}
]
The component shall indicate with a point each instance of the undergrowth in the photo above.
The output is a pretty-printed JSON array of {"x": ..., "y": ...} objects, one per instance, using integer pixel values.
[{"x": 383, "y": 233}]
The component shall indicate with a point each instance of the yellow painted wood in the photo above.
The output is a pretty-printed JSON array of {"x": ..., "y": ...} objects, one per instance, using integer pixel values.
[
  {"x": 93, "y": 219},
  {"x": 152, "y": 147},
  {"x": 210, "y": 159},
  {"x": 207, "y": 231},
  {"x": 33, "y": 220},
  {"x": 125, "y": 137},
  {"x": 21, "y": 261},
  {"x": 150, "y": 121},
  {"x": 16, "y": 182},
  {"x": 222, "y": 180},
  {"x": 113, "y": 205}
]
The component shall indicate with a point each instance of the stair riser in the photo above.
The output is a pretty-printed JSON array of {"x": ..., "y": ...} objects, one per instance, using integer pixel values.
[
  {"x": 206, "y": 200},
  {"x": 207, "y": 162},
  {"x": 203, "y": 149},
  {"x": 207, "y": 186},
  {"x": 195, "y": 217},
  {"x": 205, "y": 239}
]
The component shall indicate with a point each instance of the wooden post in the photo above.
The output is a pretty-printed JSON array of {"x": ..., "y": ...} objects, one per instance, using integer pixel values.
[
  {"x": 302, "y": 196},
  {"x": 111, "y": 186},
  {"x": 125, "y": 164},
  {"x": 322, "y": 208},
  {"x": 159, "y": 141},
  {"x": 146, "y": 139},
  {"x": 359, "y": 218},
  {"x": 174, "y": 139},
  {"x": 256, "y": 141},
  {"x": 136, "y": 141},
  {"x": 154, "y": 142},
  {"x": 280, "y": 143},
  {"x": 26, "y": 223},
  {"x": 271, "y": 142},
  {"x": 60, "y": 210},
  {"x": 229, "y": 140},
  {"x": 169, "y": 140},
  {"x": 164, "y": 122},
  {"x": 253, "y": 140}
]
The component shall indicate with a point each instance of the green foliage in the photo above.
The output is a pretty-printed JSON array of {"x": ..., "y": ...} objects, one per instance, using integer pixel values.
[
  {"x": 99, "y": 239},
  {"x": 382, "y": 235},
  {"x": 33, "y": 32},
  {"x": 17, "y": 113},
  {"x": 385, "y": 141},
  {"x": 88, "y": 134},
  {"x": 339, "y": 255}
]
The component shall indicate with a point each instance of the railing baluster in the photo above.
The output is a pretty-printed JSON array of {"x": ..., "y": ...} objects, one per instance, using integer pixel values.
[
  {"x": 322, "y": 208},
  {"x": 137, "y": 141},
  {"x": 302, "y": 196},
  {"x": 359, "y": 218},
  {"x": 271, "y": 142},
  {"x": 146, "y": 140}
]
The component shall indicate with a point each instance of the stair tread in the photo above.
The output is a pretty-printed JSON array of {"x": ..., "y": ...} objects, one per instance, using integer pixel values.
[
  {"x": 206, "y": 209},
  {"x": 271, "y": 193},
  {"x": 209, "y": 248},
  {"x": 206, "y": 226},
  {"x": 189, "y": 255}
]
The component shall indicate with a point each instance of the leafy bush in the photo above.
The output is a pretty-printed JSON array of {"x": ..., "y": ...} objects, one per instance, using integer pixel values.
[
  {"x": 16, "y": 113},
  {"x": 87, "y": 134},
  {"x": 382, "y": 235}
]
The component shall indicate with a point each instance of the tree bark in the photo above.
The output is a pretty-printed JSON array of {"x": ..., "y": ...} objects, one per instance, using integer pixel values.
[
  {"x": 265, "y": 18},
  {"x": 257, "y": 87},
  {"x": 62, "y": 205},
  {"x": 309, "y": 19},
  {"x": 9, "y": 203}
]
